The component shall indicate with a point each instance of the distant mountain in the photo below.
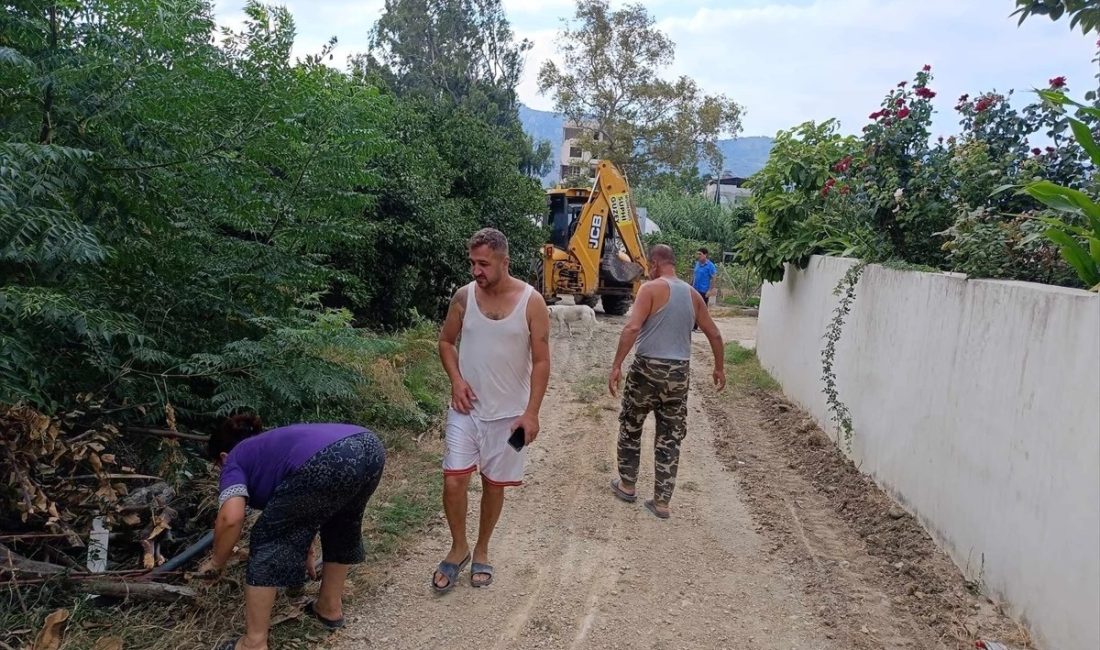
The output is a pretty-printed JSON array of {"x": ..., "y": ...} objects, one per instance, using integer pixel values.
[
  {"x": 745, "y": 156},
  {"x": 544, "y": 125},
  {"x": 742, "y": 156}
]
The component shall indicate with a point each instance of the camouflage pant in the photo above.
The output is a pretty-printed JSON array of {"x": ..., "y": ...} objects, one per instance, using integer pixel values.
[{"x": 660, "y": 386}]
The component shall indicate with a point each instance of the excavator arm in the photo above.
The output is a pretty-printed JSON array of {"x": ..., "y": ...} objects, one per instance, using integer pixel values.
[{"x": 607, "y": 240}]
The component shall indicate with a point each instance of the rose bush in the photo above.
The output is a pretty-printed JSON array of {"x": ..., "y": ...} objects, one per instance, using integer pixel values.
[{"x": 895, "y": 194}]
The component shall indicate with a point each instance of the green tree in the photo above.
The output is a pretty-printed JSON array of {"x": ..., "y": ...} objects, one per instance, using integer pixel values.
[
  {"x": 457, "y": 52},
  {"x": 609, "y": 84},
  {"x": 201, "y": 221},
  {"x": 1083, "y": 13},
  {"x": 462, "y": 51}
]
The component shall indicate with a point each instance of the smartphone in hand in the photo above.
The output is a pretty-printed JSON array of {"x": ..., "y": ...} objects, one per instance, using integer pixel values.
[{"x": 518, "y": 439}]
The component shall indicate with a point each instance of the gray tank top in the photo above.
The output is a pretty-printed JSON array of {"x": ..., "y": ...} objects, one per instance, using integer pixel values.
[{"x": 667, "y": 334}]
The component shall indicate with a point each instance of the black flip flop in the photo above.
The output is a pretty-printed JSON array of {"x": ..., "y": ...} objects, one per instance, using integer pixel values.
[
  {"x": 330, "y": 623},
  {"x": 450, "y": 571},
  {"x": 618, "y": 491},
  {"x": 479, "y": 568},
  {"x": 652, "y": 507},
  {"x": 229, "y": 645}
]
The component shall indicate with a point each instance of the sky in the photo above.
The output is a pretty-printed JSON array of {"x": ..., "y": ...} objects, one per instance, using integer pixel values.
[{"x": 789, "y": 61}]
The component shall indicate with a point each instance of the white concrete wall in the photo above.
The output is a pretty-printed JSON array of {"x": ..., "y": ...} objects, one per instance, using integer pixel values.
[{"x": 976, "y": 404}]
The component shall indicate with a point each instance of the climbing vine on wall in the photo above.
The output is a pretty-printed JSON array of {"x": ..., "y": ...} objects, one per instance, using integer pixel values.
[{"x": 839, "y": 412}]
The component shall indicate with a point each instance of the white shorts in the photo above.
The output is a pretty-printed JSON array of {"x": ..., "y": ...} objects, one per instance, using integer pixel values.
[{"x": 473, "y": 444}]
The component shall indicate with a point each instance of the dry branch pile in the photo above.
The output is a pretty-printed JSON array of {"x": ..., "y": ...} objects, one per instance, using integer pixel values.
[{"x": 93, "y": 507}]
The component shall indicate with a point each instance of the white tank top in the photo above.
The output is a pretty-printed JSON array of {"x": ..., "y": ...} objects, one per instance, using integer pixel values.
[{"x": 494, "y": 357}]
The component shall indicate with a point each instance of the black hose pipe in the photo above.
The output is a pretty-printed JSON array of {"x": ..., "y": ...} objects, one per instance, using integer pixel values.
[{"x": 188, "y": 554}]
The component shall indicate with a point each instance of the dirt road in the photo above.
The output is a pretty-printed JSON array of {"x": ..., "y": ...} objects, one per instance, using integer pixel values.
[{"x": 755, "y": 556}]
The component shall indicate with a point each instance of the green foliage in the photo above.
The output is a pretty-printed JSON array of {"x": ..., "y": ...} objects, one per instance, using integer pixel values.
[
  {"x": 455, "y": 55},
  {"x": 796, "y": 216},
  {"x": 744, "y": 369},
  {"x": 1078, "y": 244},
  {"x": 891, "y": 194},
  {"x": 738, "y": 285},
  {"x": 694, "y": 217},
  {"x": 201, "y": 221},
  {"x": 609, "y": 84},
  {"x": 1082, "y": 13},
  {"x": 736, "y": 355},
  {"x": 846, "y": 289},
  {"x": 461, "y": 51}
]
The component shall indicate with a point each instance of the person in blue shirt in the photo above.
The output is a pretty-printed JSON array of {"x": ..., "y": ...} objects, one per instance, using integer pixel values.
[{"x": 703, "y": 273}]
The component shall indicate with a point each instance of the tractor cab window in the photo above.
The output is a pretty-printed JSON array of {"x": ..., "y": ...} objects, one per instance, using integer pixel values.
[{"x": 562, "y": 214}]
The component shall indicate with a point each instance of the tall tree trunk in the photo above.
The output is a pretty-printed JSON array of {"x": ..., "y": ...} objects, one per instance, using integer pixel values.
[{"x": 45, "y": 136}]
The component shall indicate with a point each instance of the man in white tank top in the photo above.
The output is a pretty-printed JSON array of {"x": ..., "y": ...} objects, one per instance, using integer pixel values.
[
  {"x": 495, "y": 347},
  {"x": 661, "y": 321}
]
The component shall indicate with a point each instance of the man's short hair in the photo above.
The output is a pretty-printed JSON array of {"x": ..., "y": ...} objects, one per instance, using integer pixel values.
[
  {"x": 704, "y": 251},
  {"x": 662, "y": 253},
  {"x": 491, "y": 237}
]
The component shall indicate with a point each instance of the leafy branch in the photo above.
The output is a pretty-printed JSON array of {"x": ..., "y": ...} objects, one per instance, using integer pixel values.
[{"x": 846, "y": 289}]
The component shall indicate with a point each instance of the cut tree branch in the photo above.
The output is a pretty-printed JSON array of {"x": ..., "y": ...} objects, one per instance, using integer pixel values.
[
  {"x": 168, "y": 433},
  {"x": 13, "y": 563},
  {"x": 156, "y": 591}
]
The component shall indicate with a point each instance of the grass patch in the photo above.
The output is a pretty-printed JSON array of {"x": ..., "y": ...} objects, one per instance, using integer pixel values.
[
  {"x": 740, "y": 301},
  {"x": 405, "y": 502},
  {"x": 590, "y": 389},
  {"x": 743, "y": 368}
]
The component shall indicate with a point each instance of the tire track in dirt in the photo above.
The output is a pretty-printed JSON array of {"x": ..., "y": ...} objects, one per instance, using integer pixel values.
[{"x": 878, "y": 578}]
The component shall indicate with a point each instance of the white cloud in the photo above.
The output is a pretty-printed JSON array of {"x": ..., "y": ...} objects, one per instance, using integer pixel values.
[
  {"x": 788, "y": 61},
  {"x": 520, "y": 10},
  {"x": 837, "y": 58},
  {"x": 349, "y": 21},
  {"x": 544, "y": 48}
]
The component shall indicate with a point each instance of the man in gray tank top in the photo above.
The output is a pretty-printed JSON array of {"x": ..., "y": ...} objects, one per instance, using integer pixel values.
[{"x": 664, "y": 313}]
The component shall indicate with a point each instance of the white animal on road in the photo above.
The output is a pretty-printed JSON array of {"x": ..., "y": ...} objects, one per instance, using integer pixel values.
[{"x": 570, "y": 315}]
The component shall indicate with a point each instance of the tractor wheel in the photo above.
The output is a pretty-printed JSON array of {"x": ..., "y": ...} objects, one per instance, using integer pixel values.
[
  {"x": 590, "y": 301},
  {"x": 616, "y": 305}
]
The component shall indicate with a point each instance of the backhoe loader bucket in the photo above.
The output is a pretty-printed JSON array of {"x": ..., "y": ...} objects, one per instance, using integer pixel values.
[{"x": 621, "y": 270}]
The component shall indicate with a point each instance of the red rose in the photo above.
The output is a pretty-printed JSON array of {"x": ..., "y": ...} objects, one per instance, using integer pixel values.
[
  {"x": 901, "y": 84},
  {"x": 900, "y": 102},
  {"x": 1058, "y": 82},
  {"x": 875, "y": 115},
  {"x": 984, "y": 104},
  {"x": 925, "y": 93},
  {"x": 1036, "y": 151},
  {"x": 927, "y": 68},
  {"x": 1050, "y": 149},
  {"x": 903, "y": 113}
]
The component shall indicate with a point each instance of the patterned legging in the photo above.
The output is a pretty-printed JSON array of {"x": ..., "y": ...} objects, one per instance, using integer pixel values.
[{"x": 328, "y": 494}]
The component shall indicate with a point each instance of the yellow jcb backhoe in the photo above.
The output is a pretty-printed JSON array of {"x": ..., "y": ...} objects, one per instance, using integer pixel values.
[{"x": 595, "y": 250}]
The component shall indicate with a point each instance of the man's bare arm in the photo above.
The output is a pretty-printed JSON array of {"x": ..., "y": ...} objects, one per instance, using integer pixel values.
[
  {"x": 538, "y": 324},
  {"x": 714, "y": 337},
  {"x": 448, "y": 334},
  {"x": 462, "y": 396},
  {"x": 539, "y": 319}
]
